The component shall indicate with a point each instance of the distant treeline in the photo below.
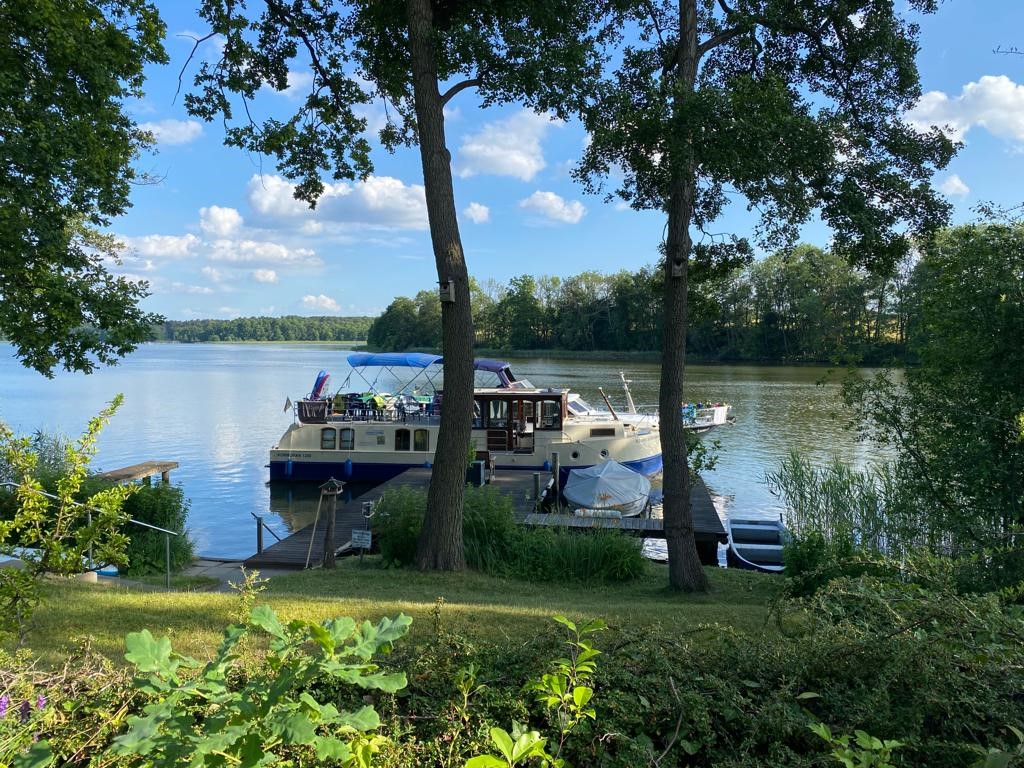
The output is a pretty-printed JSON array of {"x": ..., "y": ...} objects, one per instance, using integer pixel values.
[
  {"x": 287, "y": 328},
  {"x": 806, "y": 305}
]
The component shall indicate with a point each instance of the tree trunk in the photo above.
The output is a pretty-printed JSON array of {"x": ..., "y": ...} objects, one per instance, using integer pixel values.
[
  {"x": 684, "y": 569},
  {"x": 440, "y": 543}
]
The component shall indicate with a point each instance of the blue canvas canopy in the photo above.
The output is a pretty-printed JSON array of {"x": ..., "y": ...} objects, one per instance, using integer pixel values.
[{"x": 392, "y": 359}]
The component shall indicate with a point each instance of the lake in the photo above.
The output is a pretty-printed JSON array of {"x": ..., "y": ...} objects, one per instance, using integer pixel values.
[{"x": 217, "y": 408}]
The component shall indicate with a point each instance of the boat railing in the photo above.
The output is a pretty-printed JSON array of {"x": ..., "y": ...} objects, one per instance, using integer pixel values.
[{"x": 326, "y": 412}]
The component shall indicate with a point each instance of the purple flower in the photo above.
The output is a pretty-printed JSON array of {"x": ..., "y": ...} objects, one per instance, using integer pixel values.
[
  {"x": 25, "y": 711},
  {"x": 5, "y": 702},
  {"x": 40, "y": 702}
]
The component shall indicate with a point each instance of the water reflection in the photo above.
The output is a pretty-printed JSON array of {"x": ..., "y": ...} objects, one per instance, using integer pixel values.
[{"x": 217, "y": 409}]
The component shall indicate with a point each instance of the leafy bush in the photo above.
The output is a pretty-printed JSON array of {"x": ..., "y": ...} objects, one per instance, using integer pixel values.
[
  {"x": 216, "y": 717},
  {"x": 495, "y": 544},
  {"x": 163, "y": 505}
]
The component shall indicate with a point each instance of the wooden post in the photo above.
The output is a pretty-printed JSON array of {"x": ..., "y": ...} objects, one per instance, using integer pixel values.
[
  {"x": 536, "y": 489},
  {"x": 329, "y": 557},
  {"x": 556, "y": 470},
  {"x": 259, "y": 535}
]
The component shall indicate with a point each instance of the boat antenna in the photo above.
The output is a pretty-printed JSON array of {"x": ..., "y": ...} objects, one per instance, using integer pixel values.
[
  {"x": 630, "y": 405},
  {"x": 608, "y": 403}
]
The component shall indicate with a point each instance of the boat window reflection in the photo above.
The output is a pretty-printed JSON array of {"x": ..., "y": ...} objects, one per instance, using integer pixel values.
[
  {"x": 421, "y": 440},
  {"x": 401, "y": 439},
  {"x": 328, "y": 437}
]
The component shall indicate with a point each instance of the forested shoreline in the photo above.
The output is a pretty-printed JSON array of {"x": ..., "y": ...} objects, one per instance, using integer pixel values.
[
  {"x": 286, "y": 328},
  {"x": 803, "y": 306}
]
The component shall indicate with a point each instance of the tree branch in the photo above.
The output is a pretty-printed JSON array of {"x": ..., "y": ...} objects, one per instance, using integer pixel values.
[
  {"x": 455, "y": 89},
  {"x": 197, "y": 41}
]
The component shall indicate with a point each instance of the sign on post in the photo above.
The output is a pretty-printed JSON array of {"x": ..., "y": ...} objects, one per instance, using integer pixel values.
[{"x": 362, "y": 538}]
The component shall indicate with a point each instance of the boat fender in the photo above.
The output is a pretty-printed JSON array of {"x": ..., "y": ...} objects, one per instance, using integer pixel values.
[
  {"x": 547, "y": 465},
  {"x": 288, "y": 468},
  {"x": 427, "y": 465},
  {"x": 348, "y": 468}
]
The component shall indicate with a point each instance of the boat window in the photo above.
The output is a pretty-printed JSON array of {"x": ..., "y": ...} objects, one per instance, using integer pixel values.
[
  {"x": 550, "y": 414},
  {"x": 328, "y": 438},
  {"x": 348, "y": 439},
  {"x": 602, "y": 432},
  {"x": 478, "y": 419},
  {"x": 401, "y": 439},
  {"x": 497, "y": 413},
  {"x": 421, "y": 440}
]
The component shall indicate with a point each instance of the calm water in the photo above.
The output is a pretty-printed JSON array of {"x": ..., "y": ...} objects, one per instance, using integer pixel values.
[{"x": 216, "y": 409}]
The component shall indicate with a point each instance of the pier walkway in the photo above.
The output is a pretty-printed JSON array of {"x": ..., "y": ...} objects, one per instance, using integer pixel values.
[{"x": 292, "y": 551}]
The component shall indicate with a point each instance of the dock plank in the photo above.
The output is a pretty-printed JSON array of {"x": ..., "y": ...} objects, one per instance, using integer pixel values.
[{"x": 140, "y": 471}]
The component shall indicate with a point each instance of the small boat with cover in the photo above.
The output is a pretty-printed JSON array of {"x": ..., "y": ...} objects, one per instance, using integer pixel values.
[{"x": 607, "y": 489}]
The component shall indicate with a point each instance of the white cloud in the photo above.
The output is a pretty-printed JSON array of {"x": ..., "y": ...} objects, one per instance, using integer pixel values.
[
  {"x": 261, "y": 252},
  {"x": 510, "y": 147},
  {"x": 174, "y": 131},
  {"x": 553, "y": 207},
  {"x": 199, "y": 290},
  {"x": 229, "y": 311},
  {"x": 163, "y": 246},
  {"x": 264, "y": 276},
  {"x": 298, "y": 84},
  {"x": 214, "y": 274},
  {"x": 218, "y": 221},
  {"x": 477, "y": 213},
  {"x": 993, "y": 102},
  {"x": 380, "y": 201},
  {"x": 321, "y": 302},
  {"x": 954, "y": 187}
]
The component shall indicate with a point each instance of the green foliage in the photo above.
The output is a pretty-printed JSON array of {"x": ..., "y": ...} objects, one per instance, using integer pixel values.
[
  {"x": 860, "y": 751},
  {"x": 68, "y": 148},
  {"x": 163, "y": 505},
  {"x": 204, "y": 714},
  {"x": 495, "y": 544},
  {"x": 74, "y": 710},
  {"x": 61, "y": 535},
  {"x": 565, "y": 692},
  {"x": 284, "y": 328},
  {"x": 954, "y": 418}
]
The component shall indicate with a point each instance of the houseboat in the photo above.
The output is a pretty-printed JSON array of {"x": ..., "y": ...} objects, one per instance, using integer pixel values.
[{"x": 371, "y": 435}]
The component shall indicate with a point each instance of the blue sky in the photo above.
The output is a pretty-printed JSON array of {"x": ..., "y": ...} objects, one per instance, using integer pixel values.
[{"x": 221, "y": 236}]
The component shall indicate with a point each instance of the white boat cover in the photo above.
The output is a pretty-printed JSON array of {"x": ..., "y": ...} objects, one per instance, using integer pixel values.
[{"x": 608, "y": 486}]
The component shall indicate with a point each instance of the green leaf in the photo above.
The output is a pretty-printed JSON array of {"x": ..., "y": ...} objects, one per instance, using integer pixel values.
[
  {"x": 330, "y": 748},
  {"x": 263, "y": 616},
  {"x": 485, "y": 761},
  {"x": 565, "y": 623},
  {"x": 292, "y": 727},
  {"x": 501, "y": 739},
  {"x": 808, "y": 695},
  {"x": 37, "y": 756},
  {"x": 581, "y": 694},
  {"x": 149, "y": 654},
  {"x": 365, "y": 719}
]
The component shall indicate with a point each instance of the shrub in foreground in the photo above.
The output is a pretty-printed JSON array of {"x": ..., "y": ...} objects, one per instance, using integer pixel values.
[{"x": 495, "y": 544}]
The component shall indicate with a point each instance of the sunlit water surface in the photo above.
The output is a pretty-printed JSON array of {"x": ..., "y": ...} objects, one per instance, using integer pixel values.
[{"x": 216, "y": 409}]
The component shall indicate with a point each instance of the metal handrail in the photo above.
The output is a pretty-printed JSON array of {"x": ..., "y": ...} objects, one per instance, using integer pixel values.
[{"x": 91, "y": 509}]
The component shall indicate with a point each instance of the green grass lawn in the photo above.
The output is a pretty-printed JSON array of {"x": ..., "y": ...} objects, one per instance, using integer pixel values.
[{"x": 477, "y": 606}]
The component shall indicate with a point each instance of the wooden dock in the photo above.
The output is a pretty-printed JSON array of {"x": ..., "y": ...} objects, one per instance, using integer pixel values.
[
  {"x": 292, "y": 552},
  {"x": 143, "y": 471},
  {"x": 708, "y": 529}
]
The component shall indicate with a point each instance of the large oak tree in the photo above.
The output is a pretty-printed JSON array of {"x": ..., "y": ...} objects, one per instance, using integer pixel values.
[
  {"x": 67, "y": 148},
  {"x": 414, "y": 56},
  {"x": 791, "y": 105}
]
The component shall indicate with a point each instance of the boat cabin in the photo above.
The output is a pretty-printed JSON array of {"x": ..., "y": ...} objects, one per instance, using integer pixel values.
[{"x": 511, "y": 418}]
